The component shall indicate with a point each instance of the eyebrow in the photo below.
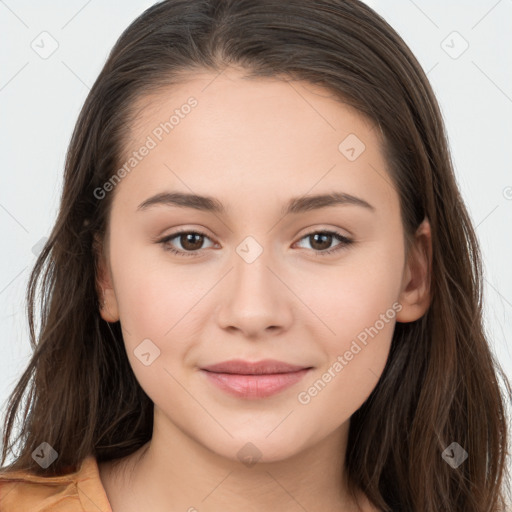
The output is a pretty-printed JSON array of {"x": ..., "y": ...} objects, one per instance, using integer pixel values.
[{"x": 295, "y": 205}]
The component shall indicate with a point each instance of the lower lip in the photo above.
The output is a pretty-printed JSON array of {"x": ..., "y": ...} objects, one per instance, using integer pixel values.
[{"x": 255, "y": 386}]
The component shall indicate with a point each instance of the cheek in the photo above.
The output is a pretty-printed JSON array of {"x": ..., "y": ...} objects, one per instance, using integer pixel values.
[
  {"x": 356, "y": 306},
  {"x": 162, "y": 303},
  {"x": 148, "y": 305},
  {"x": 151, "y": 292},
  {"x": 355, "y": 353},
  {"x": 155, "y": 312},
  {"x": 352, "y": 295}
]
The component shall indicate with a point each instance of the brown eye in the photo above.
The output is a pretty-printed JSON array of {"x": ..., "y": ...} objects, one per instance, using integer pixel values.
[
  {"x": 190, "y": 241},
  {"x": 320, "y": 242}
]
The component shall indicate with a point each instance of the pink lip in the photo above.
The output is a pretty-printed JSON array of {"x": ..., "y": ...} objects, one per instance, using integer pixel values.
[
  {"x": 254, "y": 380},
  {"x": 253, "y": 368}
]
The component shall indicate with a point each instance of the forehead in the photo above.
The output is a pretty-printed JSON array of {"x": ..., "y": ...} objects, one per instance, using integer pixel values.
[
  {"x": 230, "y": 98},
  {"x": 219, "y": 133}
]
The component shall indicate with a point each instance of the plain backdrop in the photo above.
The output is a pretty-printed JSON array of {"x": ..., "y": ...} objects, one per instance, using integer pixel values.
[{"x": 464, "y": 46}]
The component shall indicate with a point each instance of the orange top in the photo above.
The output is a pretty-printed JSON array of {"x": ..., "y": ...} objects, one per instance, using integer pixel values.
[{"x": 82, "y": 491}]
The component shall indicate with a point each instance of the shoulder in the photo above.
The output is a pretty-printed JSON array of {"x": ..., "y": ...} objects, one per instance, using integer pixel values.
[{"x": 81, "y": 491}]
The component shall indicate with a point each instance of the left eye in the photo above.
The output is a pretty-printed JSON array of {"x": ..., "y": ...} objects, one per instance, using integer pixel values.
[
  {"x": 191, "y": 241},
  {"x": 322, "y": 237}
]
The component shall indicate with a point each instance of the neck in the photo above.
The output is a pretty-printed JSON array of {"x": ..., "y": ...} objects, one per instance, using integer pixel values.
[{"x": 175, "y": 472}]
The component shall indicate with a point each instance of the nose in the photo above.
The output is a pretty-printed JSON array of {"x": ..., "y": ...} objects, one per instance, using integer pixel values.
[{"x": 255, "y": 299}]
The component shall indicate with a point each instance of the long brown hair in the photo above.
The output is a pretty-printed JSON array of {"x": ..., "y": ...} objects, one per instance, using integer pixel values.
[{"x": 440, "y": 384}]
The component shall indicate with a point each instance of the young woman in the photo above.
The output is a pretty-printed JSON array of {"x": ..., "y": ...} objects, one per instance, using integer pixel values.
[{"x": 263, "y": 289}]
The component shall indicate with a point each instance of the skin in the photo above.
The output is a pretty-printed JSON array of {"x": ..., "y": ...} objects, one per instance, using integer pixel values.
[{"x": 253, "y": 144}]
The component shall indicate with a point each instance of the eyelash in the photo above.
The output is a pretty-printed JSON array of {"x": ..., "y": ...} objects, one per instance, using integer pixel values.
[{"x": 345, "y": 242}]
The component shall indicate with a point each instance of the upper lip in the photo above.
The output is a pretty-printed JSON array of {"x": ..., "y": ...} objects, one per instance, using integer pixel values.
[{"x": 266, "y": 366}]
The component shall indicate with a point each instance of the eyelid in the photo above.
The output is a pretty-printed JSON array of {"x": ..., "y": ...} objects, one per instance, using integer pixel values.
[
  {"x": 199, "y": 230},
  {"x": 310, "y": 230},
  {"x": 167, "y": 238},
  {"x": 315, "y": 228},
  {"x": 344, "y": 241}
]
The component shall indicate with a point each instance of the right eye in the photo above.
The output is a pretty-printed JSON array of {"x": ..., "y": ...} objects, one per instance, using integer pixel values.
[{"x": 187, "y": 240}]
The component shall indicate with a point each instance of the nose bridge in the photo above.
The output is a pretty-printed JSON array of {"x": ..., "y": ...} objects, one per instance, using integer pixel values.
[
  {"x": 256, "y": 299},
  {"x": 251, "y": 272}
]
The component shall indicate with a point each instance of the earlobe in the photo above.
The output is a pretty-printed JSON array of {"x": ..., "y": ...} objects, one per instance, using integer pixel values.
[
  {"x": 108, "y": 306},
  {"x": 106, "y": 296},
  {"x": 415, "y": 295}
]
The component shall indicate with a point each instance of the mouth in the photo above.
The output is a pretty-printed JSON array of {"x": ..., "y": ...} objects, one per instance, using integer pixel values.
[
  {"x": 241, "y": 367},
  {"x": 252, "y": 380}
]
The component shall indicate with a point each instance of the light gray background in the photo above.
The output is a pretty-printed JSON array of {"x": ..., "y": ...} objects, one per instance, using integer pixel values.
[{"x": 40, "y": 100}]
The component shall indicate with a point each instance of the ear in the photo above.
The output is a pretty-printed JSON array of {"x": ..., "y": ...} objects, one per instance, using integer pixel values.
[
  {"x": 109, "y": 311},
  {"x": 415, "y": 292}
]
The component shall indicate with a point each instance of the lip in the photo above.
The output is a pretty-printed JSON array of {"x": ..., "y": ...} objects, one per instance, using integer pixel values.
[
  {"x": 253, "y": 380},
  {"x": 241, "y": 367}
]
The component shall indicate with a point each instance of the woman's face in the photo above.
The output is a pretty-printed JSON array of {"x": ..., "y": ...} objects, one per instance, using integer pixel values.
[{"x": 257, "y": 283}]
